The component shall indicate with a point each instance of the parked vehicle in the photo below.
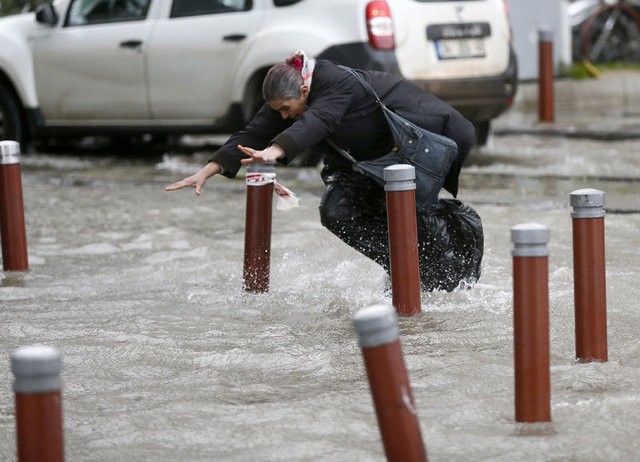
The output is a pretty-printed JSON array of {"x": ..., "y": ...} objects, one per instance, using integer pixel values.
[
  {"x": 132, "y": 67},
  {"x": 605, "y": 30},
  {"x": 467, "y": 58}
]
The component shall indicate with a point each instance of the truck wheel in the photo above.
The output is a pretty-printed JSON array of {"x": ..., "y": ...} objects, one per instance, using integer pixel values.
[{"x": 12, "y": 126}]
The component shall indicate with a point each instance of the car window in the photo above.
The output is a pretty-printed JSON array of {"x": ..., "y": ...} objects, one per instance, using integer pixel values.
[
  {"x": 85, "y": 12},
  {"x": 181, "y": 8}
]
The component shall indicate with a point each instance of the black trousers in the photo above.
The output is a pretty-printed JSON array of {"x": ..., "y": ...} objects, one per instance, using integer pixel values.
[{"x": 450, "y": 236}]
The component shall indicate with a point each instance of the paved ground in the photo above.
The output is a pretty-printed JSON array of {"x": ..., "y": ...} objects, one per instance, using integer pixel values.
[{"x": 604, "y": 108}]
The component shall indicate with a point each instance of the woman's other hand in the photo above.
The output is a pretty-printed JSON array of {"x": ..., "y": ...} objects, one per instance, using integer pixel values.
[
  {"x": 270, "y": 154},
  {"x": 197, "y": 180}
]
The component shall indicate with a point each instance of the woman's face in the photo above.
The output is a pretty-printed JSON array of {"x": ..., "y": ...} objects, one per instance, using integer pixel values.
[{"x": 291, "y": 108}]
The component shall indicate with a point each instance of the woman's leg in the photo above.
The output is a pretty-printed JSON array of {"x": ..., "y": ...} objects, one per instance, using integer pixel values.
[{"x": 354, "y": 208}]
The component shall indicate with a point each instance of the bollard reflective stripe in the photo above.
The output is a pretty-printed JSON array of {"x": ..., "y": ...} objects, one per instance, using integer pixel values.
[
  {"x": 531, "y": 323},
  {"x": 403, "y": 238},
  {"x": 9, "y": 152},
  {"x": 378, "y": 337}
]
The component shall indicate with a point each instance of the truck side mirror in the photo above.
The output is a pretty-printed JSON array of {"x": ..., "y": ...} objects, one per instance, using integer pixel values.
[{"x": 46, "y": 14}]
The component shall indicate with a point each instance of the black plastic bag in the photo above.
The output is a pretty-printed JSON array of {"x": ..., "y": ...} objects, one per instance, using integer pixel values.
[
  {"x": 451, "y": 245},
  {"x": 450, "y": 235}
]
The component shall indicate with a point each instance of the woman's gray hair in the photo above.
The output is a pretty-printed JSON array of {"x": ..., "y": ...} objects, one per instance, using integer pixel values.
[{"x": 282, "y": 82}]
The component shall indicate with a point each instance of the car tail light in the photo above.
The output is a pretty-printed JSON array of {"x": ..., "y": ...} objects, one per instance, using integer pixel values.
[{"x": 380, "y": 25}]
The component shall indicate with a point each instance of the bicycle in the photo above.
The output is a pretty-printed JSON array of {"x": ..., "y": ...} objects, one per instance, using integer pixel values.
[{"x": 606, "y": 30}]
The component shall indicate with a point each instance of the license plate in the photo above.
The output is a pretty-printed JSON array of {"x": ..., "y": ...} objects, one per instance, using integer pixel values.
[{"x": 463, "y": 48}]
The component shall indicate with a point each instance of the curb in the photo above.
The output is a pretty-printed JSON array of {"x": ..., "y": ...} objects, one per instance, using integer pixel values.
[
  {"x": 606, "y": 108},
  {"x": 600, "y": 134}
]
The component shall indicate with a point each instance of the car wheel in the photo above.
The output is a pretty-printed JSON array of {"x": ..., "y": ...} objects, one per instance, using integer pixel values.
[
  {"x": 253, "y": 97},
  {"x": 12, "y": 126},
  {"x": 482, "y": 132}
]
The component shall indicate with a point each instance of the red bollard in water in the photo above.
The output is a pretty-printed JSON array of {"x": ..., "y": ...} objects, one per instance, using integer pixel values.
[
  {"x": 378, "y": 337},
  {"x": 38, "y": 404},
  {"x": 12, "y": 227},
  {"x": 257, "y": 237},
  {"x": 403, "y": 238},
  {"x": 531, "y": 322},
  {"x": 545, "y": 75},
  {"x": 589, "y": 274}
]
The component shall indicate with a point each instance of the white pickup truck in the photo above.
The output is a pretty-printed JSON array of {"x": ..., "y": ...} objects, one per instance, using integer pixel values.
[{"x": 132, "y": 67}]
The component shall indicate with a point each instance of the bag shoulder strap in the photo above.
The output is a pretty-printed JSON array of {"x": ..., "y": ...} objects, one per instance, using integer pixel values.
[
  {"x": 371, "y": 91},
  {"x": 341, "y": 151},
  {"x": 367, "y": 86}
]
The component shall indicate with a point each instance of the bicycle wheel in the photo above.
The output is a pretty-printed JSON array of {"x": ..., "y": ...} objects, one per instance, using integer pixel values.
[{"x": 612, "y": 34}]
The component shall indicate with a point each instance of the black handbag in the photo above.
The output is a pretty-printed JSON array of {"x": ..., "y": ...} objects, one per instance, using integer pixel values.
[{"x": 432, "y": 155}]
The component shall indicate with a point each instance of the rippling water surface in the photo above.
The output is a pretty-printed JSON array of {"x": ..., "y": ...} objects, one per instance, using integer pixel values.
[{"x": 167, "y": 358}]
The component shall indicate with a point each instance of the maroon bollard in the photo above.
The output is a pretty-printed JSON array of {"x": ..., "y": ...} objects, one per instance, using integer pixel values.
[
  {"x": 545, "y": 75},
  {"x": 379, "y": 339},
  {"x": 403, "y": 238},
  {"x": 531, "y": 322},
  {"x": 257, "y": 235},
  {"x": 38, "y": 403},
  {"x": 12, "y": 227},
  {"x": 589, "y": 274}
]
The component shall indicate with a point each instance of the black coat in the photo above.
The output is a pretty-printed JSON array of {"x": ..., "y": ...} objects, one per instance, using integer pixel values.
[{"x": 338, "y": 107}]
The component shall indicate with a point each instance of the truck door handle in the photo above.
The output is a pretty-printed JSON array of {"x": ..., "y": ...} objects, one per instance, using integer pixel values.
[
  {"x": 234, "y": 37},
  {"x": 131, "y": 44}
]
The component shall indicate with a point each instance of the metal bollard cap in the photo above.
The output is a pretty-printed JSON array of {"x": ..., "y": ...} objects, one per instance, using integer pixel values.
[
  {"x": 261, "y": 173},
  {"x": 545, "y": 34},
  {"x": 587, "y": 203},
  {"x": 376, "y": 325},
  {"x": 399, "y": 177},
  {"x": 36, "y": 369},
  {"x": 530, "y": 240},
  {"x": 262, "y": 167},
  {"x": 9, "y": 152}
]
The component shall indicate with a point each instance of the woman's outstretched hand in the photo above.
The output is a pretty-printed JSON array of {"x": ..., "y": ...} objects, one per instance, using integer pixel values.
[
  {"x": 270, "y": 154},
  {"x": 197, "y": 180}
]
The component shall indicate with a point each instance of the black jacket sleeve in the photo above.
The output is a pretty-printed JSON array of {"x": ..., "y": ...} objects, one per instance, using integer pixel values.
[
  {"x": 257, "y": 135},
  {"x": 330, "y": 96}
]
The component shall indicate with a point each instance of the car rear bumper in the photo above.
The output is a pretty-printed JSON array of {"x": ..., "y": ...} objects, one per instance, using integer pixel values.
[{"x": 478, "y": 99}]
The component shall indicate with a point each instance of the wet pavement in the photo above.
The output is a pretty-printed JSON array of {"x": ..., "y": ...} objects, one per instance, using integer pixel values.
[
  {"x": 166, "y": 358},
  {"x": 604, "y": 108}
]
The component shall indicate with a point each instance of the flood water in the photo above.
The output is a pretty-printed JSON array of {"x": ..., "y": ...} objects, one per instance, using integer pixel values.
[{"x": 166, "y": 358}]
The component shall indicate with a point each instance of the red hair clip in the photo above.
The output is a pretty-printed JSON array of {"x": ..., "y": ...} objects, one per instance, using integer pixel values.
[{"x": 295, "y": 61}]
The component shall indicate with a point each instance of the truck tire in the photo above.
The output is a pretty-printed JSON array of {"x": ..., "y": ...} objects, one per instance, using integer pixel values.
[{"x": 12, "y": 125}]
